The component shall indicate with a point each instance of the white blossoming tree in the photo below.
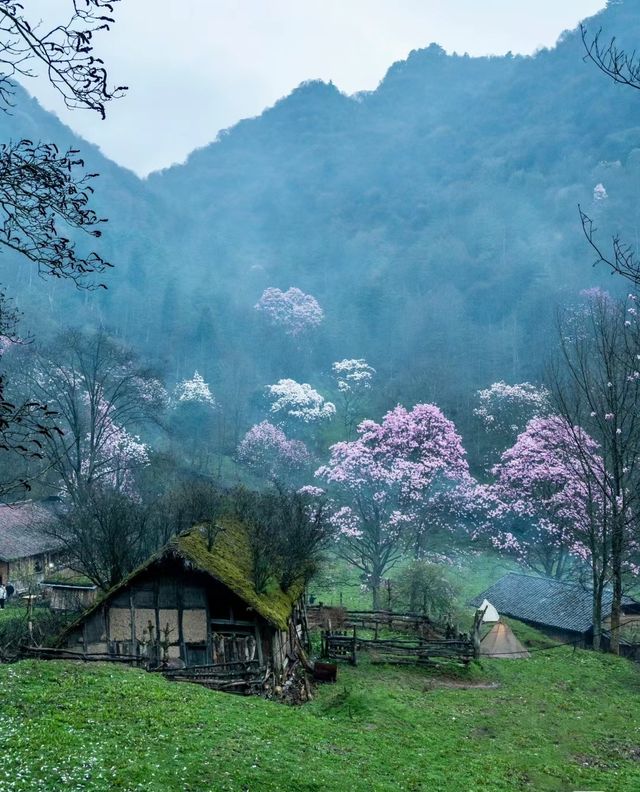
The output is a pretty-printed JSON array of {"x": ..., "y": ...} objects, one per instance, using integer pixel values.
[
  {"x": 194, "y": 390},
  {"x": 298, "y": 402},
  {"x": 292, "y": 310},
  {"x": 193, "y": 421},
  {"x": 354, "y": 378},
  {"x": 505, "y": 410}
]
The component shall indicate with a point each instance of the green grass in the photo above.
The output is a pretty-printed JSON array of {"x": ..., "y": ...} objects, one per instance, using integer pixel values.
[
  {"x": 340, "y": 584},
  {"x": 563, "y": 720}
]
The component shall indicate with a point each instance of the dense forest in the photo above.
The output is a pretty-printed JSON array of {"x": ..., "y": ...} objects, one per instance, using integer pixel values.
[{"x": 435, "y": 221}]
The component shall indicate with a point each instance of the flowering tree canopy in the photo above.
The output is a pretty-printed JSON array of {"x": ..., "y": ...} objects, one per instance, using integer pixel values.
[
  {"x": 116, "y": 454},
  {"x": 546, "y": 506},
  {"x": 353, "y": 377},
  {"x": 99, "y": 395},
  {"x": 299, "y": 401},
  {"x": 194, "y": 390},
  {"x": 293, "y": 310},
  {"x": 389, "y": 480},
  {"x": 504, "y": 410},
  {"x": 266, "y": 450},
  {"x": 353, "y": 374}
]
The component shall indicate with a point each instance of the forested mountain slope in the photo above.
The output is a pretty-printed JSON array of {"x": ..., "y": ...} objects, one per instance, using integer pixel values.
[{"x": 434, "y": 219}]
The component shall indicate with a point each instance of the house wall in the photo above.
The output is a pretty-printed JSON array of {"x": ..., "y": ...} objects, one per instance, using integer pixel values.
[
  {"x": 631, "y": 620},
  {"x": 24, "y": 573},
  {"x": 201, "y": 621},
  {"x": 70, "y": 599}
]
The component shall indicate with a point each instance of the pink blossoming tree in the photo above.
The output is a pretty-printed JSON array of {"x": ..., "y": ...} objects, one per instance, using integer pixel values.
[
  {"x": 542, "y": 506},
  {"x": 547, "y": 507},
  {"x": 388, "y": 486},
  {"x": 101, "y": 396},
  {"x": 596, "y": 384},
  {"x": 266, "y": 450}
]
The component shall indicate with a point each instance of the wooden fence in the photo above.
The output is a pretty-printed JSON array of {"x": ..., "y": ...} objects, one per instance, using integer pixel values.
[
  {"x": 237, "y": 677},
  {"x": 396, "y": 651},
  {"x": 425, "y": 641}
]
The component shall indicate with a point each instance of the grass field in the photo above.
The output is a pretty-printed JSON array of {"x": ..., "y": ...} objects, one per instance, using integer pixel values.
[{"x": 562, "y": 720}]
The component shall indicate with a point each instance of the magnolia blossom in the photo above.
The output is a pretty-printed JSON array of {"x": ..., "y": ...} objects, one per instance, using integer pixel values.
[
  {"x": 547, "y": 499},
  {"x": 111, "y": 454},
  {"x": 266, "y": 450},
  {"x": 353, "y": 375},
  {"x": 194, "y": 390},
  {"x": 293, "y": 310},
  {"x": 311, "y": 491},
  {"x": 509, "y": 407},
  {"x": 299, "y": 400},
  {"x": 396, "y": 476}
]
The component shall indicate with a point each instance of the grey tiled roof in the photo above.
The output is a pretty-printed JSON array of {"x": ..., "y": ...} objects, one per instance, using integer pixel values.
[
  {"x": 22, "y": 533},
  {"x": 554, "y": 603}
]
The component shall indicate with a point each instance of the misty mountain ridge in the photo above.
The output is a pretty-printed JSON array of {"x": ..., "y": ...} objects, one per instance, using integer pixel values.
[{"x": 434, "y": 219}]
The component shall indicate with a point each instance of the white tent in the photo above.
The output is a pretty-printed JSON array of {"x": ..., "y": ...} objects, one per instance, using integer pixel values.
[
  {"x": 501, "y": 643},
  {"x": 490, "y": 613}
]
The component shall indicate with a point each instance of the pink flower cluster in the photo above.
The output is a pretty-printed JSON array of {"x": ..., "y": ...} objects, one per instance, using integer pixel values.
[
  {"x": 551, "y": 480},
  {"x": 395, "y": 471},
  {"x": 266, "y": 449}
]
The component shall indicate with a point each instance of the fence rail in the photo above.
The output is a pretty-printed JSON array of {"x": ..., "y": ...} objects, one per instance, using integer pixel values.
[{"x": 341, "y": 646}]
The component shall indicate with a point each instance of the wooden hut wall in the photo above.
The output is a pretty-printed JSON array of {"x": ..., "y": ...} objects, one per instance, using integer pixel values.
[{"x": 201, "y": 619}]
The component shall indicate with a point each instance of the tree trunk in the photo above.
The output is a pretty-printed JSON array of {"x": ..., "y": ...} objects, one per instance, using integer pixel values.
[
  {"x": 375, "y": 592},
  {"x": 615, "y": 611},
  {"x": 617, "y": 541},
  {"x": 597, "y": 611}
]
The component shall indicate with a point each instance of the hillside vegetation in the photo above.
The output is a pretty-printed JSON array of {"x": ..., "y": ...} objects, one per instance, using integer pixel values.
[
  {"x": 434, "y": 219},
  {"x": 540, "y": 724}
]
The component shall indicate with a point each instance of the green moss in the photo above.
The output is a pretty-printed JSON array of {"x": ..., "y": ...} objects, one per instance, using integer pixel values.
[
  {"x": 230, "y": 562},
  {"x": 66, "y": 577}
]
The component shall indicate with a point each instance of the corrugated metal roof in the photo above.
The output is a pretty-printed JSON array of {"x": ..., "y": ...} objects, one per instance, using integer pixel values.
[
  {"x": 546, "y": 601},
  {"x": 22, "y": 531}
]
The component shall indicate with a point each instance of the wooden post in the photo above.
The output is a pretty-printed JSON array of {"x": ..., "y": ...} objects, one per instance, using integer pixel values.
[
  {"x": 132, "y": 616},
  {"x": 475, "y": 635}
]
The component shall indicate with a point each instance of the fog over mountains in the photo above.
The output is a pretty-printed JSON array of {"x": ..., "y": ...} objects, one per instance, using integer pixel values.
[{"x": 434, "y": 219}]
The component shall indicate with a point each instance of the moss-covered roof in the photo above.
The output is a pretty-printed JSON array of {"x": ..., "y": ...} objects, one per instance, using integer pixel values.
[{"x": 229, "y": 562}]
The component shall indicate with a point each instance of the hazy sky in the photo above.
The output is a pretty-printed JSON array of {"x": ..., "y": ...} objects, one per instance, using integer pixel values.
[{"x": 197, "y": 66}]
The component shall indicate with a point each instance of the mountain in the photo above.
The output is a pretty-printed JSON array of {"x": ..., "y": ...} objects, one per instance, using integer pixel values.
[{"x": 435, "y": 220}]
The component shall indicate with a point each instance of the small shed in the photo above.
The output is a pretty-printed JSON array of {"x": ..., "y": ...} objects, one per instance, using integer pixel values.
[
  {"x": 192, "y": 605},
  {"x": 67, "y": 591}
]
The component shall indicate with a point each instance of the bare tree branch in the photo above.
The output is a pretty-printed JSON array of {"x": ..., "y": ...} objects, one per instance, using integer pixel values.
[
  {"x": 64, "y": 53},
  {"x": 622, "y": 67},
  {"x": 621, "y": 260}
]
